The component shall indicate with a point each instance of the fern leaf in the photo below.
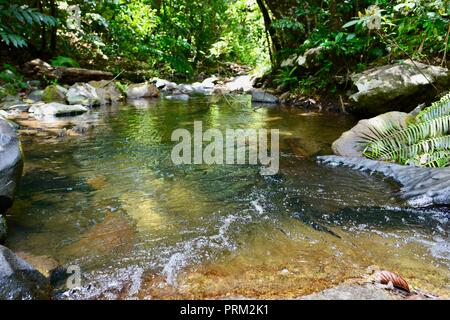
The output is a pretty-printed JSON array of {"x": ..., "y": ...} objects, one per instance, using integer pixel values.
[
  {"x": 403, "y": 153},
  {"x": 437, "y": 109},
  {"x": 408, "y": 136}
]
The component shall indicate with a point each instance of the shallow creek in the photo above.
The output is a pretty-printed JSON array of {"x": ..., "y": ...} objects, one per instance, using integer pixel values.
[{"x": 112, "y": 202}]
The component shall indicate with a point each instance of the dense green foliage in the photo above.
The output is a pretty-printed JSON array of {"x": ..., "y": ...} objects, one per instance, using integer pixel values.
[
  {"x": 356, "y": 35},
  {"x": 184, "y": 38},
  {"x": 16, "y": 22},
  {"x": 150, "y": 37},
  {"x": 425, "y": 141}
]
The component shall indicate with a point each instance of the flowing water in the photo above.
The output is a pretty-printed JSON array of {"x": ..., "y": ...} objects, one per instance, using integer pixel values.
[{"x": 138, "y": 226}]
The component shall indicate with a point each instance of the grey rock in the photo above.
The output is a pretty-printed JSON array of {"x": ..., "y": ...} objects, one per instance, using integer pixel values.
[
  {"x": 186, "y": 88},
  {"x": 210, "y": 83},
  {"x": 142, "y": 90},
  {"x": 107, "y": 91},
  {"x": 83, "y": 94},
  {"x": 238, "y": 84},
  {"x": 17, "y": 104},
  {"x": 310, "y": 59},
  {"x": 395, "y": 87},
  {"x": 164, "y": 85},
  {"x": 367, "y": 291},
  {"x": 56, "y": 109},
  {"x": 54, "y": 93},
  {"x": 11, "y": 164},
  {"x": 263, "y": 97},
  {"x": 19, "y": 280},
  {"x": 420, "y": 186},
  {"x": 179, "y": 97},
  {"x": 3, "y": 114},
  {"x": 351, "y": 143},
  {"x": 307, "y": 61},
  {"x": 36, "y": 95}
]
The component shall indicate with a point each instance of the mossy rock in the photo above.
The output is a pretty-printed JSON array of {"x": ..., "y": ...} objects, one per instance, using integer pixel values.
[{"x": 54, "y": 93}]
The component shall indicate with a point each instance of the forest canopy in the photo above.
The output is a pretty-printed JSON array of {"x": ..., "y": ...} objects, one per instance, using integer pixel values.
[{"x": 179, "y": 38}]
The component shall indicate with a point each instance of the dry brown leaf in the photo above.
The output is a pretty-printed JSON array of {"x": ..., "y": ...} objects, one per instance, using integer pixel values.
[{"x": 385, "y": 277}]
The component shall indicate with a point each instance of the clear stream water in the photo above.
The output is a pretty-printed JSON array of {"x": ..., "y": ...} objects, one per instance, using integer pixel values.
[{"x": 112, "y": 202}]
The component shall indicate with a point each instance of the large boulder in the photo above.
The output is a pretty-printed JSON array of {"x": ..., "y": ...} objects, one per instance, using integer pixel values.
[
  {"x": 142, "y": 90},
  {"x": 400, "y": 86},
  {"x": 19, "y": 280},
  {"x": 351, "y": 143},
  {"x": 84, "y": 94},
  {"x": 56, "y": 109},
  {"x": 107, "y": 91},
  {"x": 54, "y": 93},
  {"x": 11, "y": 164}
]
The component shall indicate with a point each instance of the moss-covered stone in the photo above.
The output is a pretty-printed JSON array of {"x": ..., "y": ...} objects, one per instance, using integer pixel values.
[{"x": 54, "y": 93}]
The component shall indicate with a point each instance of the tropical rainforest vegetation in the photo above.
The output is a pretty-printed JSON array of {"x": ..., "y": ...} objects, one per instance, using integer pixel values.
[{"x": 188, "y": 37}]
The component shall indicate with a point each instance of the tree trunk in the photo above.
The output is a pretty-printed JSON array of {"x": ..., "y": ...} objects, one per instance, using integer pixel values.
[
  {"x": 53, "y": 36},
  {"x": 334, "y": 18},
  {"x": 40, "y": 69},
  {"x": 275, "y": 46}
]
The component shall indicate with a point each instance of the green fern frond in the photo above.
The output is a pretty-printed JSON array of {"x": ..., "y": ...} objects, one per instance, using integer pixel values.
[
  {"x": 404, "y": 153},
  {"x": 437, "y": 159},
  {"x": 436, "y": 110},
  {"x": 397, "y": 139}
]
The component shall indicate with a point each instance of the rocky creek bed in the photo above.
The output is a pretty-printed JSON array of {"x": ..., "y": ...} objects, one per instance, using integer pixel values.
[{"x": 144, "y": 228}]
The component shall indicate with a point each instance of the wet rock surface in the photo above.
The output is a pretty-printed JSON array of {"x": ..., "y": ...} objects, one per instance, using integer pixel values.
[
  {"x": 11, "y": 164},
  {"x": 420, "y": 186},
  {"x": 107, "y": 91},
  {"x": 351, "y": 143},
  {"x": 84, "y": 94},
  {"x": 19, "y": 280},
  {"x": 56, "y": 109},
  {"x": 365, "y": 291},
  {"x": 263, "y": 96},
  {"x": 142, "y": 90},
  {"x": 400, "y": 86}
]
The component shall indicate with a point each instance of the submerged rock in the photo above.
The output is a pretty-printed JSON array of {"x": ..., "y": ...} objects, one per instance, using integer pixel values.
[
  {"x": 396, "y": 86},
  {"x": 49, "y": 267},
  {"x": 19, "y": 280},
  {"x": 56, "y": 109},
  {"x": 11, "y": 164},
  {"x": 263, "y": 97},
  {"x": 420, "y": 186},
  {"x": 351, "y": 143},
  {"x": 142, "y": 90},
  {"x": 54, "y": 93},
  {"x": 179, "y": 97},
  {"x": 84, "y": 94}
]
